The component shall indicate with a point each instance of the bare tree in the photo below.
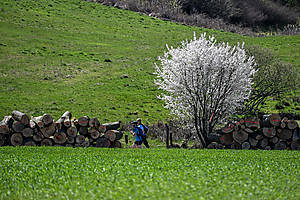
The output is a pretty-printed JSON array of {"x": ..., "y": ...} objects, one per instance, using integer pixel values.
[{"x": 204, "y": 82}]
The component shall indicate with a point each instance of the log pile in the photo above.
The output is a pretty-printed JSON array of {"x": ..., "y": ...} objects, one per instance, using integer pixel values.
[
  {"x": 18, "y": 129},
  {"x": 270, "y": 132}
]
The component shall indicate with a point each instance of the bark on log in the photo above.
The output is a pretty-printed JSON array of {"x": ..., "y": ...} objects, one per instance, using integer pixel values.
[
  {"x": 103, "y": 142},
  {"x": 117, "y": 144},
  {"x": 2, "y": 140},
  {"x": 240, "y": 136},
  {"x": 46, "y": 142},
  {"x": 249, "y": 130},
  {"x": 284, "y": 134},
  {"x": 296, "y": 135},
  {"x": 228, "y": 129},
  {"x": 253, "y": 142},
  {"x": 83, "y": 121},
  {"x": 235, "y": 145},
  {"x": 94, "y": 133},
  {"x": 72, "y": 131},
  {"x": 38, "y": 136},
  {"x": 86, "y": 143},
  {"x": 18, "y": 126},
  {"x": 295, "y": 145},
  {"x": 252, "y": 122},
  {"x": 246, "y": 145},
  {"x": 32, "y": 125},
  {"x": 274, "y": 140},
  {"x": 60, "y": 137},
  {"x": 59, "y": 123},
  {"x": 48, "y": 130},
  {"x": 280, "y": 146},
  {"x": 80, "y": 139},
  {"x": 259, "y": 137},
  {"x": 29, "y": 142},
  {"x": 83, "y": 130},
  {"x": 38, "y": 121},
  {"x": 47, "y": 119},
  {"x": 292, "y": 124},
  {"x": 6, "y": 124},
  {"x": 111, "y": 126},
  {"x": 269, "y": 132},
  {"x": 226, "y": 139},
  {"x": 110, "y": 135},
  {"x": 70, "y": 140},
  {"x": 16, "y": 139},
  {"x": 27, "y": 132},
  {"x": 267, "y": 148},
  {"x": 271, "y": 120},
  {"x": 21, "y": 117},
  {"x": 94, "y": 123},
  {"x": 118, "y": 134},
  {"x": 263, "y": 143},
  {"x": 69, "y": 145}
]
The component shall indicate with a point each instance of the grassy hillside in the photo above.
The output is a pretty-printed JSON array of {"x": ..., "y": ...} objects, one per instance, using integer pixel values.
[
  {"x": 92, "y": 59},
  {"x": 80, "y": 173}
]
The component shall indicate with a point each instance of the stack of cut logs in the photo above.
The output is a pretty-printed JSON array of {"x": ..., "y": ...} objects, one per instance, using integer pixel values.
[
  {"x": 18, "y": 129},
  {"x": 271, "y": 132}
]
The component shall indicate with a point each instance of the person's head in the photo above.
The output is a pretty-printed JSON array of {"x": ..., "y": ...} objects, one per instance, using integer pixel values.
[{"x": 139, "y": 121}]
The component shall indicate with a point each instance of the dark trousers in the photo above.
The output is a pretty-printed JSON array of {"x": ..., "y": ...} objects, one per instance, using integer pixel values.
[{"x": 144, "y": 138}]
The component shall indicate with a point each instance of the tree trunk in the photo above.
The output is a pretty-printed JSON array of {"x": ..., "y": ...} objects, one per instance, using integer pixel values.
[
  {"x": 38, "y": 121},
  {"x": 70, "y": 140},
  {"x": 284, "y": 134},
  {"x": 240, "y": 136},
  {"x": 46, "y": 142},
  {"x": 72, "y": 131},
  {"x": 83, "y": 130},
  {"x": 38, "y": 137},
  {"x": 226, "y": 139},
  {"x": 2, "y": 140},
  {"x": 94, "y": 133},
  {"x": 29, "y": 142},
  {"x": 110, "y": 135},
  {"x": 94, "y": 123},
  {"x": 117, "y": 144},
  {"x": 246, "y": 145},
  {"x": 111, "y": 126},
  {"x": 60, "y": 138},
  {"x": 292, "y": 124},
  {"x": 83, "y": 121},
  {"x": 118, "y": 134},
  {"x": 6, "y": 124},
  {"x": 21, "y": 117},
  {"x": 274, "y": 140},
  {"x": 80, "y": 139},
  {"x": 47, "y": 119},
  {"x": 252, "y": 122},
  {"x": 263, "y": 143},
  {"x": 126, "y": 139},
  {"x": 280, "y": 146},
  {"x": 269, "y": 132},
  {"x": 103, "y": 142},
  {"x": 48, "y": 130},
  {"x": 253, "y": 142},
  {"x": 18, "y": 126},
  {"x": 16, "y": 139},
  {"x": 167, "y": 136},
  {"x": 295, "y": 145},
  {"x": 27, "y": 132}
]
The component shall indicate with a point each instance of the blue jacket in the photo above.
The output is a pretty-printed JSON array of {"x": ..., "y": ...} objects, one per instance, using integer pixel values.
[
  {"x": 142, "y": 127},
  {"x": 138, "y": 133}
]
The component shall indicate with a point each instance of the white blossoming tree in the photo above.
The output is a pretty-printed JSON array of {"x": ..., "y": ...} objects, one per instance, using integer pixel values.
[{"x": 204, "y": 82}]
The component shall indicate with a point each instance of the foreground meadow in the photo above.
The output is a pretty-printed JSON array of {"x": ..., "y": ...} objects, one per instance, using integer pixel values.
[{"x": 91, "y": 173}]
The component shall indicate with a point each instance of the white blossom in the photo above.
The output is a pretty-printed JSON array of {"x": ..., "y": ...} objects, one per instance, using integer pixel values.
[{"x": 204, "y": 82}]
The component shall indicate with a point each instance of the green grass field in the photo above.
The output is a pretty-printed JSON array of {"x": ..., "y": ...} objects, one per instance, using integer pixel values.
[
  {"x": 75, "y": 55},
  {"x": 80, "y": 173}
]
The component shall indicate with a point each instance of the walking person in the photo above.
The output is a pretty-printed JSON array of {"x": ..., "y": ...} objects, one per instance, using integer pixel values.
[
  {"x": 144, "y": 130},
  {"x": 137, "y": 133}
]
